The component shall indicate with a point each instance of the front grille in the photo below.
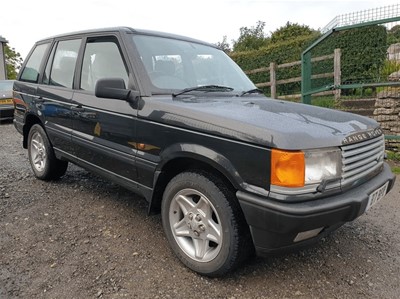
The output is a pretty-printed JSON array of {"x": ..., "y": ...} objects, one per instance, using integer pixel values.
[{"x": 362, "y": 159}]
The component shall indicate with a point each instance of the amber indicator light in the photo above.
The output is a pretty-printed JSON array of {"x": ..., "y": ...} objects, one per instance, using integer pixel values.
[{"x": 287, "y": 168}]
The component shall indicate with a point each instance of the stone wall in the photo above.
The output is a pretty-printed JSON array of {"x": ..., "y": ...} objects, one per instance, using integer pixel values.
[
  {"x": 387, "y": 113},
  {"x": 385, "y": 109}
]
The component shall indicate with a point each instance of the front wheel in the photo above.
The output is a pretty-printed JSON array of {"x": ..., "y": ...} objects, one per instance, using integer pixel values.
[
  {"x": 44, "y": 163},
  {"x": 204, "y": 223}
]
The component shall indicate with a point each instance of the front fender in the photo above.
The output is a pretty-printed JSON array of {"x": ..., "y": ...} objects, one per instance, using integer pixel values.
[
  {"x": 171, "y": 164},
  {"x": 205, "y": 155}
]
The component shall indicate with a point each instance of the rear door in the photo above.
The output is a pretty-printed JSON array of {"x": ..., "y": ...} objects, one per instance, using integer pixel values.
[
  {"x": 55, "y": 93},
  {"x": 25, "y": 88},
  {"x": 104, "y": 129}
]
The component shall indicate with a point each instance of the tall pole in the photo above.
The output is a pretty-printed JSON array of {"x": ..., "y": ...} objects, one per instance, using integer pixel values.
[{"x": 3, "y": 74}]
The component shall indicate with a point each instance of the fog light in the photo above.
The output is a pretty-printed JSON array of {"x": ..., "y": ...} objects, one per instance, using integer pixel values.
[{"x": 307, "y": 234}]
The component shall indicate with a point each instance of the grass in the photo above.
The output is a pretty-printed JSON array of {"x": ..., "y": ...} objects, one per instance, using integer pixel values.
[
  {"x": 396, "y": 169},
  {"x": 395, "y": 158},
  {"x": 327, "y": 102}
]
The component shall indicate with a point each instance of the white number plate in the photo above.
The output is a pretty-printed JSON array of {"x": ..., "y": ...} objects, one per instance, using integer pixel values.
[{"x": 376, "y": 196}]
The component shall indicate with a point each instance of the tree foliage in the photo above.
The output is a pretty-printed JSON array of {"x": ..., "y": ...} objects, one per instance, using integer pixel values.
[
  {"x": 224, "y": 45},
  {"x": 252, "y": 38},
  {"x": 393, "y": 35},
  {"x": 291, "y": 31},
  {"x": 13, "y": 62}
]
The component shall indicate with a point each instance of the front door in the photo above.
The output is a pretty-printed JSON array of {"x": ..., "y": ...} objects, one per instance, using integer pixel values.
[{"x": 104, "y": 129}]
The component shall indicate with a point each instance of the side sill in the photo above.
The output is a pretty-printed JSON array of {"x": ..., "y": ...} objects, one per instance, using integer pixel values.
[{"x": 133, "y": 186}]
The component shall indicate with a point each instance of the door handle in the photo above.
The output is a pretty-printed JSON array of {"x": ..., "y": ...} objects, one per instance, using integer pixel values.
[{"x": 39, "y": 103}]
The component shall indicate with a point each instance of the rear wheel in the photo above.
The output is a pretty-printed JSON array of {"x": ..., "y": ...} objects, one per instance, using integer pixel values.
[
  {"x": 44, "y": 163},
  {"x": 204, "y": 224}
]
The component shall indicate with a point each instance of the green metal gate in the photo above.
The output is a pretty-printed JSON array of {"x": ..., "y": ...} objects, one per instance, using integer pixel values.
[{"x": 364, "y": 66}]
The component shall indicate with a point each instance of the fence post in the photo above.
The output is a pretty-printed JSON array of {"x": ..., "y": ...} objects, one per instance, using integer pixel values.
[
  {"x": 272, "y": 76},
  {"x": 337, "y": 73},
  {"x": 306, "y": 77}
]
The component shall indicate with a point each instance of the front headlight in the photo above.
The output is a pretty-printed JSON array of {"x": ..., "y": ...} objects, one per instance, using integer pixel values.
[
  {"x": 295, "y": 169},
  {"x": 322, "y": 165}
]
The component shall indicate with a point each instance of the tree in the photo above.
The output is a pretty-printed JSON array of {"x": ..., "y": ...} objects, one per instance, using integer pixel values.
[
  {"x": 224, "y": 45},
  {"x": 291, "y": 31},
  {"x": 251, "y": 38},
  {"x": 13, "y": 62},
  {"x": 393, "y": 35}
]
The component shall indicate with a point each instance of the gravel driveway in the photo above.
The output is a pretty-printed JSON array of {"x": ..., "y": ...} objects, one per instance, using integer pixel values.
[{"x": 83, "y": 237}]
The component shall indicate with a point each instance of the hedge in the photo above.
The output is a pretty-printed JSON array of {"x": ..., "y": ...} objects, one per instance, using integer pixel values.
[
  {"x": 363, "y": 55},
  {"x": 279, "y": 53}
]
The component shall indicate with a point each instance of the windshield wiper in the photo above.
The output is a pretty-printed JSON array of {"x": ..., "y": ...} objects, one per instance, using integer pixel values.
[
  {"x": 254, "y": 90},
  {"x": 213, "y": 88}
]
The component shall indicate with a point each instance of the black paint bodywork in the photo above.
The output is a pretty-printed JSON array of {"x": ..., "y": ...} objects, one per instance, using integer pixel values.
[{"x": 142, "y": 141}]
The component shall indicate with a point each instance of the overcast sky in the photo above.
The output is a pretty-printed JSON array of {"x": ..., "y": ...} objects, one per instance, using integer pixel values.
[{"x": 23, "y": 22}]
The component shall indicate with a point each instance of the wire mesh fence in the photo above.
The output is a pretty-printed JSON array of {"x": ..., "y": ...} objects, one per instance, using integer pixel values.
[{"x": 365, "y": 16}]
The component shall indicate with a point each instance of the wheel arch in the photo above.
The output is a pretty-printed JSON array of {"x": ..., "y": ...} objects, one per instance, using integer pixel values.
[
  {"x": 190, "y": 157},
  {"x": 30, "y": 120}
]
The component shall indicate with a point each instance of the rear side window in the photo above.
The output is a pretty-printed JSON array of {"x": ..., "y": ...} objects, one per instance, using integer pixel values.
[
  {"x": 63, "y": 63},
  {"x": 31, "y": 70},
  {"x": 102, "y": 59}
]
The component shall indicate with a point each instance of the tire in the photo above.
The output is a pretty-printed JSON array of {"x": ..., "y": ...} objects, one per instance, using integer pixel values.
[
  {"x": 204, "y": 224},
  {"x": 44, "y": 163}
]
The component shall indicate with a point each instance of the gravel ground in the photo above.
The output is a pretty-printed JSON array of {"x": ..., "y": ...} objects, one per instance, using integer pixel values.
[{"x": 83, "y": 237}]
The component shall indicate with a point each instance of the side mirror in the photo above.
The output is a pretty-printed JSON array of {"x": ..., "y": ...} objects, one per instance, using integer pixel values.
[{"x": 113, "y": 88}]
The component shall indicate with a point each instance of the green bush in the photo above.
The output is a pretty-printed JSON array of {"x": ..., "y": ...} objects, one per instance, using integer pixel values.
[{"x": 389, "y": 67}]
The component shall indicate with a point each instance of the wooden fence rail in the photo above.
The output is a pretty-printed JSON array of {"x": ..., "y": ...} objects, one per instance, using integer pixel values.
[{"x": 273, "y": 81}]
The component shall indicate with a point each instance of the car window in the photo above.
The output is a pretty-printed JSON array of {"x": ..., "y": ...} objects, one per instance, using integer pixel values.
[
  {"x": 31, "y": 70},
  {"x": 102, "y": 59},
  {"x": 178, "y": 64},
  {"x": 63, "y": 64}
]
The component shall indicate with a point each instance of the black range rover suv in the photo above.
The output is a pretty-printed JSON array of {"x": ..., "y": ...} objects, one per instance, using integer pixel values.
[{"x": 175, "y": 120}]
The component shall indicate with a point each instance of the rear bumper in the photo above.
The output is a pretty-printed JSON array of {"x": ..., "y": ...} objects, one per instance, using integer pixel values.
[{"x": 275, "y": 225}]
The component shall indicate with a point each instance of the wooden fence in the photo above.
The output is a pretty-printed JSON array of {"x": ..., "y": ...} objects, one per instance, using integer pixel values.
[{"x": 274, "y": 81}]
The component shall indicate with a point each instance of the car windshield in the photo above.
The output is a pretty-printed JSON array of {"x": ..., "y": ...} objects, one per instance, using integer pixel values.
[{"x": 178, "y": 65}]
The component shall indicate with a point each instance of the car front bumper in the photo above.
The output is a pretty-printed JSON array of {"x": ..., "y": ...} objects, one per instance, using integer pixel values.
[{"x": 277, "y": 225}]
